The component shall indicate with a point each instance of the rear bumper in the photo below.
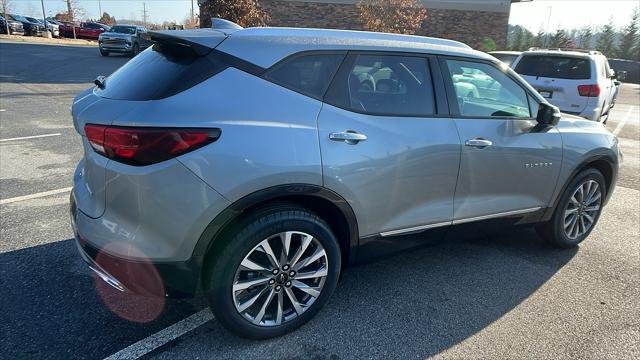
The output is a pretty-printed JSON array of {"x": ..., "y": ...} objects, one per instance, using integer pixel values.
[
  {"x": 140, "y": 277},
  {"x": 593, "y": 114}
]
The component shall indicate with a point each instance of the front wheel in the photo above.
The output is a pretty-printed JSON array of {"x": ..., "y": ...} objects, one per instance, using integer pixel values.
[
  {"x": 577, "y": 211},
  {"x": 136, "y": 49},
  {"x": 104, "y": 53},
  {"x": 275, "y": 274}
]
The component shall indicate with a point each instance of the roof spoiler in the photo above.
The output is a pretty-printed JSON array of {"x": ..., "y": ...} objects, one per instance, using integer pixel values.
[
  {"x": 200, "y": 41},
  {"x": 222, "y": 24}
]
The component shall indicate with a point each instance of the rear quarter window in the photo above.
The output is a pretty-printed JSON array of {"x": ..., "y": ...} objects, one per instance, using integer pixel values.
[
  {"x": 557, "y": 67},
  {"x": 308, "y": 74},
  {"x": 159, "y": 72}
]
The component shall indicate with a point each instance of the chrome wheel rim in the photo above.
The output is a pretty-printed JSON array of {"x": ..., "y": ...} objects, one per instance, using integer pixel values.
[
  {"x": 582, "y": 209},
  {"x": 280, "y": 278}
]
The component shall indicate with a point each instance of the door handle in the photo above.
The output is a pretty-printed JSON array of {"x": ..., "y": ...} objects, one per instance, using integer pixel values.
[
  {"x": 350, "y": 137},
  {"x": 478, "y": 143}
]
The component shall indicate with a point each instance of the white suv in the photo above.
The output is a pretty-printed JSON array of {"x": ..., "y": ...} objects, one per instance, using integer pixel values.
[{"x": 579, "y": 82}]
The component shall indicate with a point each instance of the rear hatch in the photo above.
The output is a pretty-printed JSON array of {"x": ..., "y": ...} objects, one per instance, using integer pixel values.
[
  {"x": 557, "y": 78},
  {"x": 176, "y": 62}
]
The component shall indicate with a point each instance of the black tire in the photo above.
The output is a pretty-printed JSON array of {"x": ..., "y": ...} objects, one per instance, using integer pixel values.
[
  {"x": 136, "y": 50},
  {"x": 256, "y": 227},
  {"x": 554, "y": 230},
  {"x": 104, "y": 53}
]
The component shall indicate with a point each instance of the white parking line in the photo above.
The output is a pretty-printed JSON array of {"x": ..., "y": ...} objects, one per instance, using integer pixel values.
[
  {"x": 34, "y": 196},
  {"x": 164, "y": 336},
  {"x": 622, "y": 123},
  {"x": 30, "y": 137}
]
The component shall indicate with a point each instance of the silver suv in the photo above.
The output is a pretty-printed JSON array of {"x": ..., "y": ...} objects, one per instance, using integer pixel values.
[{"x": 255, "y": 165}]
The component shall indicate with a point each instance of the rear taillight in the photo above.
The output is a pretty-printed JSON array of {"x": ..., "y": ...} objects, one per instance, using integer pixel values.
[
  {"x": 589, "y": 90},
  {"x": 144, "y": 146}
]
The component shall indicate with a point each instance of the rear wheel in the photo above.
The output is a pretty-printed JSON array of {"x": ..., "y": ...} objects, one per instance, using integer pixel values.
[
  {"x": 577, "y": 211},
  {"x": 275, "y": 274}
]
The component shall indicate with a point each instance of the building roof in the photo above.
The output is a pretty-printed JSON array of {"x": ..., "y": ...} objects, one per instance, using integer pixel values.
[{"x": 278, "y": 43}]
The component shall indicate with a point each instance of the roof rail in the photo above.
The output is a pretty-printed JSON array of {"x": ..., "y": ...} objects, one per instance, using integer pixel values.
[{"x": 585, "y": 51}]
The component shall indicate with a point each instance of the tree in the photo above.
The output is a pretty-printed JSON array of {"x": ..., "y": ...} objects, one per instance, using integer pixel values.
[
  {"x": 107, "y": 19},
  {"x": 191, "y": 22},
  {"x": 487, "y": 44},
  {"x": 392, "y": 16},
  {"x": 538, "y": 41},
  {"x": 516, "y": 38},
  {"x": 7, "y": 7},
  {"x": 245, "y": 13},
  {"x": 606, "y": 43},
  {"x": 561, "y": 40},
  {"x": 630, "y": 37},
  {"x": 585, "y": 36}
]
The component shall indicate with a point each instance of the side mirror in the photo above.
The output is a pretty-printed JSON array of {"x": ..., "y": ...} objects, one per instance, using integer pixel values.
[{"x": 548, "y": 115}]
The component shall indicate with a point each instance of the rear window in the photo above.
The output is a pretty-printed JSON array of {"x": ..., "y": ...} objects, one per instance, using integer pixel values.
[
  {"x": 557, "y": 67},
  {"x": 160, "y": 71}
]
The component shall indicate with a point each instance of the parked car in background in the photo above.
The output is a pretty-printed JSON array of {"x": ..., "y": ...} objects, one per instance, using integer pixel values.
[
  {"x": 31, "y": 28},
  {"x": 127, "y": 39},
  {"x": 15, "y": 27},
  {"x": 90, "y": 30},
  {"x": 66, "y": 28},
  {"x": 579, "y": 82},
  {"x": 53, "y": 29},
  {"x": 254, "y": 165},
  {"x": 507, "y": 57}
]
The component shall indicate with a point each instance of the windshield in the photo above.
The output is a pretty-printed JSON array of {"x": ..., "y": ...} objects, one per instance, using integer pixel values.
[
  {"x": 557, "y": 67},
  {"x": 123, "y": 29},
  {"x": 19, "y": 18}
]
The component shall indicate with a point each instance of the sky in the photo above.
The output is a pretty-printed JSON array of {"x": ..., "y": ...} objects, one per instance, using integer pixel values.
[
  {"x": 566, "y": 14},
  {"x": 571, "y": 14}
]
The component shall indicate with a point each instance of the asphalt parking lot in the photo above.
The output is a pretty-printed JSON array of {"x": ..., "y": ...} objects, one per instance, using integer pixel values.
[{"x": 503, "y": 296}]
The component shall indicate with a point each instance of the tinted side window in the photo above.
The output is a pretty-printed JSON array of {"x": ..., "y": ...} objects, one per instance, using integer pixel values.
[
  {"x": 384, "y": 85},
  {"x": 484, "y": 91},
  {"x": 557, "y": 67},
  {"x": 306, "y": 74}
]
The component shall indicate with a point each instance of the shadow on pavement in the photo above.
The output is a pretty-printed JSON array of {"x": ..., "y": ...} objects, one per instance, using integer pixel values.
[{"x": 413, "y": 305}]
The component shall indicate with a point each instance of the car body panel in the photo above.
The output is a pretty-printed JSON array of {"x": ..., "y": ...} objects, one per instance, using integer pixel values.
[
  {"x": 518, "y": 172},
  {"x": 402, "y": 176}
]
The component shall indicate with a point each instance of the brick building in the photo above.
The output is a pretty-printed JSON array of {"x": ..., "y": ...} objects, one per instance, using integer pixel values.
[{"x": 468, "y": 21}]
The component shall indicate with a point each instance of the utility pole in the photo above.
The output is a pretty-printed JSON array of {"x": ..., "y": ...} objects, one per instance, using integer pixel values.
[
  {"x": 144, "y": 13},
  {"x": 193, "y": 19},
  {"x": 44, "y": 18},
  {"x": 99, "y": 10},
  {"x": 546, "y": 37}
]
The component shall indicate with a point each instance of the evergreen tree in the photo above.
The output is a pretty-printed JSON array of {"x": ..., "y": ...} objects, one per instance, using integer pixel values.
[
  {"x": 585, "y": 37},
  {"x": 516, "y": 37},
  {"x": 561, "y": 40},
  {"x": 606, "y": 43},
  {"x": 538, "y": 41},
  {"x": 630, "y": 37}
]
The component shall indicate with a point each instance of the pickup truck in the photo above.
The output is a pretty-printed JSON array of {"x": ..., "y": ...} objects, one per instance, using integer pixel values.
[
  {"x": 90, "y": 30},
  {"x": 127, "y": 39}
]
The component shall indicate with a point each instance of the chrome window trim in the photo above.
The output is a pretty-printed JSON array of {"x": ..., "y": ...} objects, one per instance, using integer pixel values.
[{"x": 457, "y": 222}]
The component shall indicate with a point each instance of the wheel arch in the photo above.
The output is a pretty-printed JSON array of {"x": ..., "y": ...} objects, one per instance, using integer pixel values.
[
  {"x": 327, "y": 204},
  {"x": 601, "y": 161}
]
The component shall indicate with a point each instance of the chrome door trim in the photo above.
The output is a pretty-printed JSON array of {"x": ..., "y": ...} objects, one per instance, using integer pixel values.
[
  {"x": 496, "y": 215},
  {"x": 414, "y": 229},
  {"x": 457, "y": 222}
]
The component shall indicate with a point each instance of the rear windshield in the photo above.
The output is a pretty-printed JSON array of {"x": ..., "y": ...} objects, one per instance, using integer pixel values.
[
  {"x": 160, "y": 71},
  {"x": 557, "y": 67},
  {"x": 505, "y": 58}
]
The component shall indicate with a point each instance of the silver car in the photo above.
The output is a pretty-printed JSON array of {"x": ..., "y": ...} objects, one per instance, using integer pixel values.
[{"x": 255, "y": 165}]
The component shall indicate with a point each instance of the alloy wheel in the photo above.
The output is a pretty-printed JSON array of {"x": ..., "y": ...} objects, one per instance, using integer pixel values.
[
  {"x": 280, "y": 278},
  {"x": 582, "y": 209}
]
